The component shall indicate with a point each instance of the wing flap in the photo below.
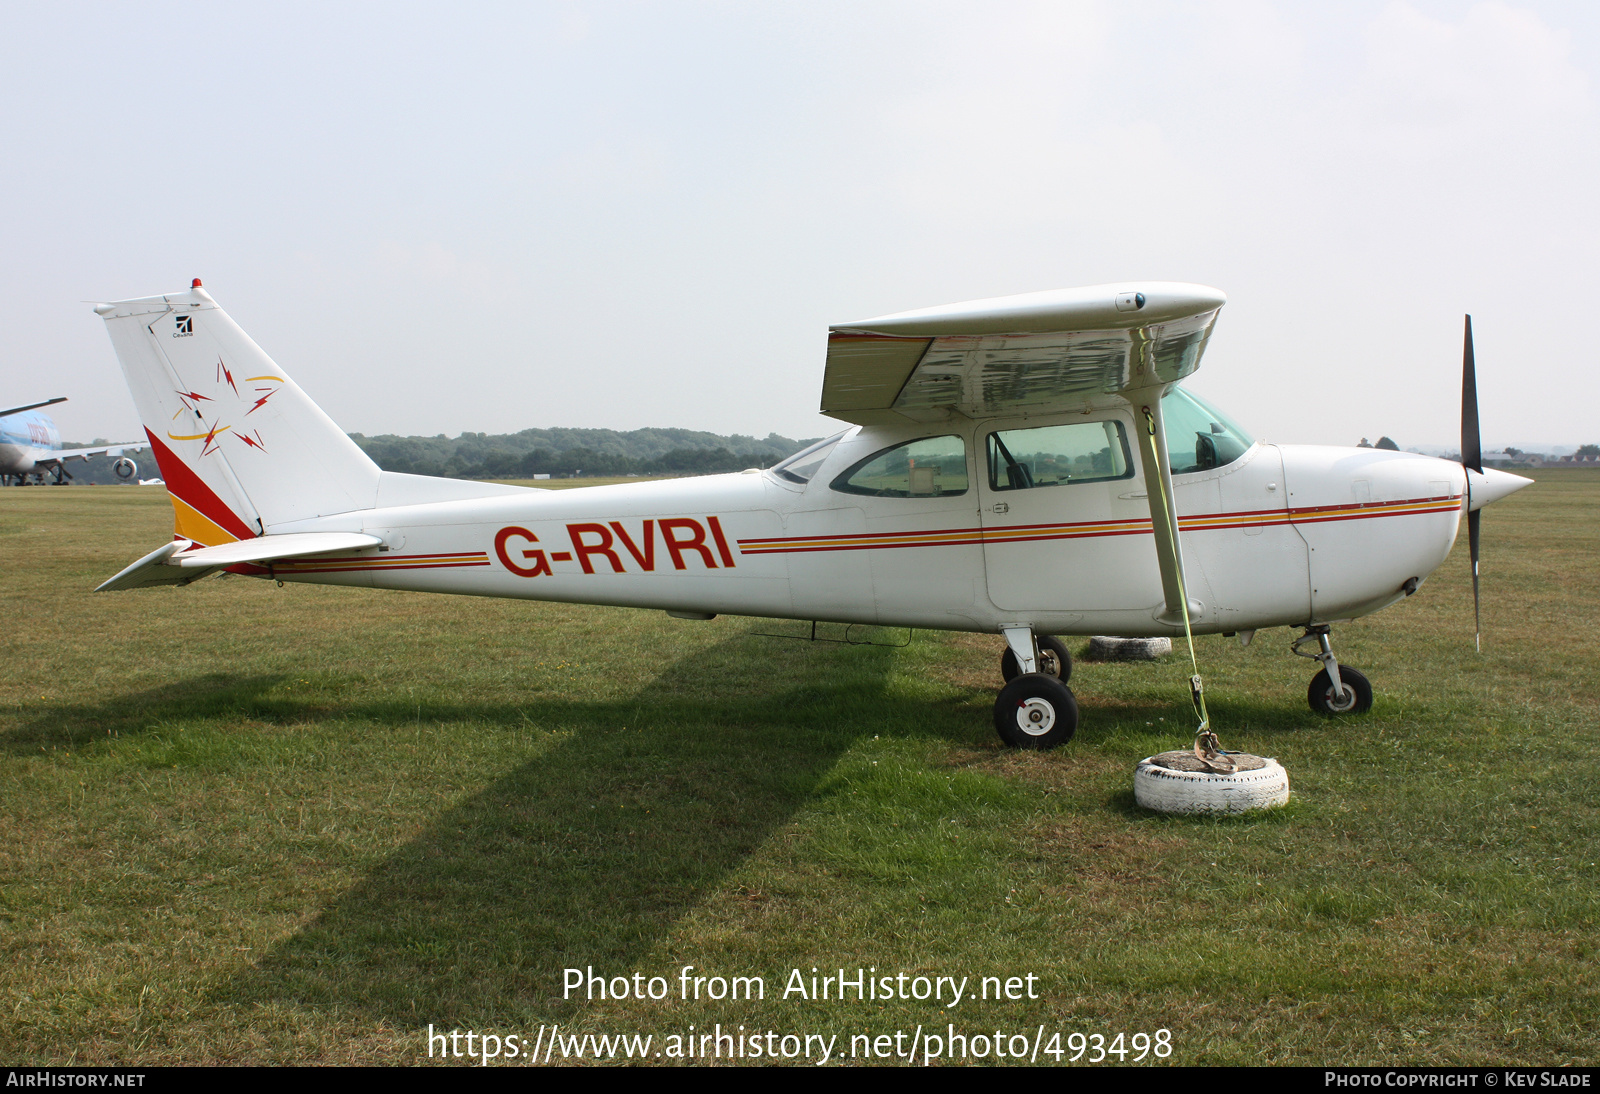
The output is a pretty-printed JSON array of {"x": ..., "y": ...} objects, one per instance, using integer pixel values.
[{"x": 867, "y": 371}]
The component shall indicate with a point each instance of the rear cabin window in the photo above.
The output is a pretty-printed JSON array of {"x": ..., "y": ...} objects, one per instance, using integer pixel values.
[
  {"x": 1058, "y": 455},
  {"x": 801, "y": 466},
  {"x": 932, "y": 467}
]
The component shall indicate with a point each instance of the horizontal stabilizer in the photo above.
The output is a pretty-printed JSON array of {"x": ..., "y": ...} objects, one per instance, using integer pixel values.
[
  {"x": 267, "y": 548},
  {"x": 152, "y": 570},
  {"x": 171, "y": 564}
]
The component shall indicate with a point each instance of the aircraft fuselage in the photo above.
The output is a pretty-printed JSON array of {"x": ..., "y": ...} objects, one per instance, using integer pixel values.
[
  {"x": 1280, "y": 535},
  {"x": 25, "y": 440}
]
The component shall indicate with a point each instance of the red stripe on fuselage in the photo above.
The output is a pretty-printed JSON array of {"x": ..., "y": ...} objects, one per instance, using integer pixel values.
[{"x": 996, "y": 535}]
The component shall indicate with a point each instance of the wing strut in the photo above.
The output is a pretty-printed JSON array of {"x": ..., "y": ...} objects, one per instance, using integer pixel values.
[{"x": 1169, "y": 554}]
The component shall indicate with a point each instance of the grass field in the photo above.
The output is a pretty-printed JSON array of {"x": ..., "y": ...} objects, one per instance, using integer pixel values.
[{"x": 247, "y": 824}]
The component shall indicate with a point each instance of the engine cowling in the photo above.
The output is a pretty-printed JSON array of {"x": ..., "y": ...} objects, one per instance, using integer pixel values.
[{"x": 125, "y": 468}]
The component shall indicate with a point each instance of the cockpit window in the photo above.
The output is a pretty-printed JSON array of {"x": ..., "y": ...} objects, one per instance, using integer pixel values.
[
  {"x": 930, "y": 467},
  {"x": 801, "y": 466},
  {"x": 1198, "y": 437},
  {"x": 1058, "y": 455}
]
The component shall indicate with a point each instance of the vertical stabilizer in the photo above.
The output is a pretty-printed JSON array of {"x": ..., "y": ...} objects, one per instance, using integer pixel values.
[{"x": 241, "y": 447}]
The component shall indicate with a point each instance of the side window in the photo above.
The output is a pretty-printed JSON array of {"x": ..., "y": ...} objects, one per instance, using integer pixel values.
[
  {"x": 1058, "y": 455},
  {"x": 933, "y": 467}
]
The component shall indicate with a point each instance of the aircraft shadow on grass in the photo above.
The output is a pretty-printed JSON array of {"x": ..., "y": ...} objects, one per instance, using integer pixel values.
[
  {"x": 588, "y": 854},
  {"x": 591, "y": 854},
  {"x": 585, "y": 855},
  {"x": 76, "y": 725}
]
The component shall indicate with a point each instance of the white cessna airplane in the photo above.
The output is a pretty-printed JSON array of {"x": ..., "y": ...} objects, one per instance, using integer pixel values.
[{"x": 1026, "y": 466}]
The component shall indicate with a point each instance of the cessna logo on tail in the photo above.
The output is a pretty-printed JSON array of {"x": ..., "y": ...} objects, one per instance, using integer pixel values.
[
  {"x": 185, "y": 324},
  {"x": 684, "y": 538}
]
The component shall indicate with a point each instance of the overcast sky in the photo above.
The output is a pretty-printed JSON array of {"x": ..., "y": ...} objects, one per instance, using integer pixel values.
[{"x": 440, "y": 218}]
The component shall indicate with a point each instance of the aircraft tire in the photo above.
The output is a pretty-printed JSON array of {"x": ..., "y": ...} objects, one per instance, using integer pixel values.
[
  {"x": 1036, "y": 711},
  {"x": 1049, "y": 647},
  {"x": 1357, "y": 698},
  {"x": 1166, "y": 790}
]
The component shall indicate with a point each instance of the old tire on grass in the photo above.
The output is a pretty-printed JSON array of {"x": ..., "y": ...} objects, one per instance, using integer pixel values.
[
  {"x": 1159, "y": 783},
  {"x": 1105, "y": 647},
  {"x": 1054, "y": 660},
  {"x": 1035, "y": 711},
  {"x": 1357, "y": 697}
]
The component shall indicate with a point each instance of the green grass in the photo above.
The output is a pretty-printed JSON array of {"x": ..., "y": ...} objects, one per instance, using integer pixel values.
[{"x": 297, "y": 825}]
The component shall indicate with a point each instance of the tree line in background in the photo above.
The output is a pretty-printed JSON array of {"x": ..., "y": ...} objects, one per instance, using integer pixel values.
[
  {"x": 559, "y": 453},
  {"x": 568, "y": 453}
]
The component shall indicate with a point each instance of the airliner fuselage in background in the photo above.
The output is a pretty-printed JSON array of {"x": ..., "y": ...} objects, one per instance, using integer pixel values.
[{"x": 30, "y": 444}]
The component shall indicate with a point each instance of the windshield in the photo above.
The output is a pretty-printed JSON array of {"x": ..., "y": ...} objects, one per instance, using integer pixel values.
[
  {"x": 804, "y": 463},
  {"x": 1198, "y": 436}
]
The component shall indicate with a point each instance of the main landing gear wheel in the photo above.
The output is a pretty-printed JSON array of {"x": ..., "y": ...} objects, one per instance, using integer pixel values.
[
  {"x": 1036, "y": 711},
  {"x": 1054, "y": 660},
  {"x": 1357, "y": 697}
]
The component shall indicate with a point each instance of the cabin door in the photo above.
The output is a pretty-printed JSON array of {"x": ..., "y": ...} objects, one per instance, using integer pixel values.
[{"x": 1066, "y": 526}]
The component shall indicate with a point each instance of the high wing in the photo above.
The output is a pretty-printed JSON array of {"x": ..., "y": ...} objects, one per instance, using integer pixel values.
[{"x": 1035, "y": 352}]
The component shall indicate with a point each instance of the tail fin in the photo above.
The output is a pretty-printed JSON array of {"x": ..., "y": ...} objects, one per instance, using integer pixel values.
[{"x": 242, "y": 448}]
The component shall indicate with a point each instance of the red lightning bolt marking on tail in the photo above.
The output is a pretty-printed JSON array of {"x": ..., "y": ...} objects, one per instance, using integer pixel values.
[
  {"x": 261, "y": 400},
  {"x": 191, "y": 402},
  {"x": 253, "y": 442},
  {"x": 224, "y": 374},
  {"x": 206, "y": 451}
]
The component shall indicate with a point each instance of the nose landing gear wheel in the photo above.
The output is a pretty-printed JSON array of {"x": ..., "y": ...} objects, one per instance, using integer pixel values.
[
  {"x": 1036, "y": 711},
  {"x": 1054, "y": 660},
  {"x": 1357, "y": 697}
]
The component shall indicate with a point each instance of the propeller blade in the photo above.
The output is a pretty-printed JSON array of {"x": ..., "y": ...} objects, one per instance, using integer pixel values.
[
  {"x": 1471, "y": 457},
  {"x": 1471, "y": 446},
  {"x": 1472, "y": 548}
]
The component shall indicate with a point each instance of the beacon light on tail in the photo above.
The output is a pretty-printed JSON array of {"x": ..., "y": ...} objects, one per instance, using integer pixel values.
[{"x": 1027, "y": 466}]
